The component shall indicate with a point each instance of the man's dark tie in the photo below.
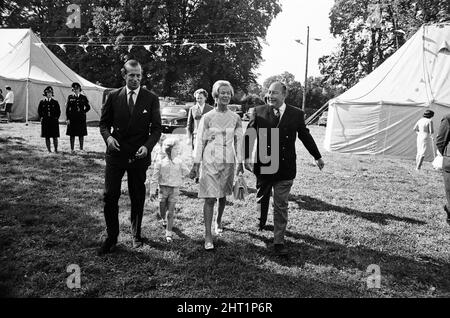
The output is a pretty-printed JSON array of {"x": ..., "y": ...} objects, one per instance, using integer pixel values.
[
  {"x": 131, "y": 102},
  {"x": 276, "y": 116}
]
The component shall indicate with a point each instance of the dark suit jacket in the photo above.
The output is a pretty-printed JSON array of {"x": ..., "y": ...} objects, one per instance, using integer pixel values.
[
  {"x": 142, "y": 128},
  {"x": 191, "y": 119},
  {"x": 443, "y": 136},
  {"x": 442, "y": 141},
  {"x": 291, "y": 125}
]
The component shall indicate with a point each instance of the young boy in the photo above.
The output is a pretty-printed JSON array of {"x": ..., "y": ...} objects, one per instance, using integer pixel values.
[{"x": 168, "y": 173}]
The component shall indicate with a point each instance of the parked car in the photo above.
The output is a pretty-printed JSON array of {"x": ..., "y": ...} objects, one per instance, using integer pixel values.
[
  {"x": 173, "y": 116},
  {"x": 323, "y": 119},
  {"x": 246, "y": 116},
  {"x": 236, "y": 108}
]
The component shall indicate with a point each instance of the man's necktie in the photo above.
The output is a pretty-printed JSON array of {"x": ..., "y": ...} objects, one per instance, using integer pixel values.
[
  {"x": 131, "y": 102},
  {"x": 276, "y": 116}
]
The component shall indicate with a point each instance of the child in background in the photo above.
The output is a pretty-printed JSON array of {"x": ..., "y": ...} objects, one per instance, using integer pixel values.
[{"x": 168, "y": 173}]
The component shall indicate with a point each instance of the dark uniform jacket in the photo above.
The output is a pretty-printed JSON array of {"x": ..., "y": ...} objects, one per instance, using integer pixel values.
[
  {"x": 291, "y": 126},
  {"x": 76, "y": 109},
  {"x": 49, "y": 112},
  {"x": 141, "y": 128}
]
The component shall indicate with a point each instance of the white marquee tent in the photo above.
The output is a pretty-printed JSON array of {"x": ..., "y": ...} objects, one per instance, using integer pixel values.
[
  {"x": 377, "y": 115},
  {"x": 28, "y": 66}
]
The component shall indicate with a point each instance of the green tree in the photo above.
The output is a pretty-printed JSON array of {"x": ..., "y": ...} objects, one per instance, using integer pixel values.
[
  {"x": 250, "y": 101},
  {"x": 372, "y": 30},
  {"x": 295, "y": 94},
  {"x": 168, "y": 68}
]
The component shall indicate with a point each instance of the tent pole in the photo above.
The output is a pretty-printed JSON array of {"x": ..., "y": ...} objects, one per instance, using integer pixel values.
[{"x": 26, "y": 103}]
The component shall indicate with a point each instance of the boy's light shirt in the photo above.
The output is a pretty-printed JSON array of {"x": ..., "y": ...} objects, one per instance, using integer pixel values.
[{"x": 169, "y": 173}]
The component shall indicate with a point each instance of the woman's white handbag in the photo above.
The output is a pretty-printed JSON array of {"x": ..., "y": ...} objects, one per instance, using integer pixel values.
[{"x": 437, "y": 162}]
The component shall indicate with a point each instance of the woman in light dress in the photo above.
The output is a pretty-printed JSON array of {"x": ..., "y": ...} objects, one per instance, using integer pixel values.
[
  {"x": 218, "y": 149},
  {"x": 424, "y": 130}
]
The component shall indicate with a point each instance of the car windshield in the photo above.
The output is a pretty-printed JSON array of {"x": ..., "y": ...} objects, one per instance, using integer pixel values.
[{"x": 173, "y": 111}]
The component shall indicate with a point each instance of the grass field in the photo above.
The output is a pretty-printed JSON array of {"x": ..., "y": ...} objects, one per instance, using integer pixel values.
[{"x": 358, "y": 211}]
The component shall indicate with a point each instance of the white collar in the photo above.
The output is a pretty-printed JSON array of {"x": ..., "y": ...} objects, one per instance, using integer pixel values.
[
  {"x": 136, "y": 91},
  {"x": 282, "y": 108}
]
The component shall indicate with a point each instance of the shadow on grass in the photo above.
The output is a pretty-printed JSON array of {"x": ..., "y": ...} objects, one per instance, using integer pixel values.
[
  {"x": 45, "y": 223},
  {"x": 397, "y": 272},
  {"x": 46, "y": 226},
  {"x": 313, "y": 204}
]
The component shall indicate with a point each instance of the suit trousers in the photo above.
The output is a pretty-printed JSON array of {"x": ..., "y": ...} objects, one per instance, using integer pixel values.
[
  {"x": 281, "y": 190},
  {"x": 137, "y": 174},
  {"x": 447, "y": 187}
]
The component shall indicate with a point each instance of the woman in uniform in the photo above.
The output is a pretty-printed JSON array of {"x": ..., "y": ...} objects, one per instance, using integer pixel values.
[
  {"x": 49, "y": 112},
  {"x": 76, "y": 108}
]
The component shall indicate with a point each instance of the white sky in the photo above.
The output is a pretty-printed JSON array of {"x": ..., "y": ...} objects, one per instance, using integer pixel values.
[{"x": 283, "y": 53}]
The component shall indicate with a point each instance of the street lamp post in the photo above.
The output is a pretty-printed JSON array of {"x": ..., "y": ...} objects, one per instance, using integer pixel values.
[{"x": 305, "y": 84}]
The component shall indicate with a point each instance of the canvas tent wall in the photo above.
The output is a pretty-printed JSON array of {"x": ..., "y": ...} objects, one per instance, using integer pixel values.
[
  {"x": 28, "y": 66},
  {"x": 377, "y": 115}
]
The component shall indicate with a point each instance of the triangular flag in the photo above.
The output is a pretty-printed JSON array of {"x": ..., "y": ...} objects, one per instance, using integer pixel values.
[
  {"x": 186, "y": 42},
  {"x": 84, "y": 46},
  {"x": 299, "y": 41},
  {"x": 105, "y": 46},
  {"x": 62, "y": 46},
  {"x": 231, "y": 43},
  {"x": 205, "y": 47},
  {"x": 130, "y": 47},
  {"x": 167, "y": 44},
  {"x": 147, "y": 47}
]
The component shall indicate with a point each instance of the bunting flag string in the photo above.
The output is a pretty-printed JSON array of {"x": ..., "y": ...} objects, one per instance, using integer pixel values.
[{"x": 228, "y": 43}]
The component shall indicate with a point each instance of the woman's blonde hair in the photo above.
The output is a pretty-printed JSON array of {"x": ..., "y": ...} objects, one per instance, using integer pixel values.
[{"x": 219, "y": 84}]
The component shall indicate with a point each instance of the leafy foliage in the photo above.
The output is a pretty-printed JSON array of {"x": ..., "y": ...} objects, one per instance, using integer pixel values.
[
  {"x": 319, "y": 91},
  {"x": 364, "y": 44},
  {"x": 171, "y": 70}
]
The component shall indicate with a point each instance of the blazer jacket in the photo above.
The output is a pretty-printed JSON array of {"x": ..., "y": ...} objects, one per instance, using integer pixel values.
[
  {"x": 443, "y": 136},
  {"x": 191, "y": 119},
  {"x": 141, "y": 128},
  {"x": 291, "y": 126}
]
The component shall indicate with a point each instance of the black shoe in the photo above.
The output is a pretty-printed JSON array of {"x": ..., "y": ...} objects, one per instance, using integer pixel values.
[
  {"x": 108, "y": 246},
  {"x": 261, "y": 227},
  {"x": 448, "y": 214},
  {"x": 138, "y": 242},
  {"x": 280, "y": 250}
]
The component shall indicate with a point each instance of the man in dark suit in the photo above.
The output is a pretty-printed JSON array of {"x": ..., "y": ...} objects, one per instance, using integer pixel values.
[
  {"x": 133, "y": 114},
  {"x": 196, "y": 113},
  {"x": 275, "y": 127},
  {"x": 442, "y": 141}
]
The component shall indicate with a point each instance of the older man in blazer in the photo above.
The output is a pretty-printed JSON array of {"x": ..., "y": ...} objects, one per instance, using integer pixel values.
[
  {"x": 442, "y": 142},
  {"x": 132, "y": 112},
  {"x": 275, "y": 127}
]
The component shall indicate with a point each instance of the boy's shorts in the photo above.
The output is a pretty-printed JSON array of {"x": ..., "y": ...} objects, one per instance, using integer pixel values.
[
  {"x": 8, "y": 107},
  {"x": 169, "y": 193}
]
